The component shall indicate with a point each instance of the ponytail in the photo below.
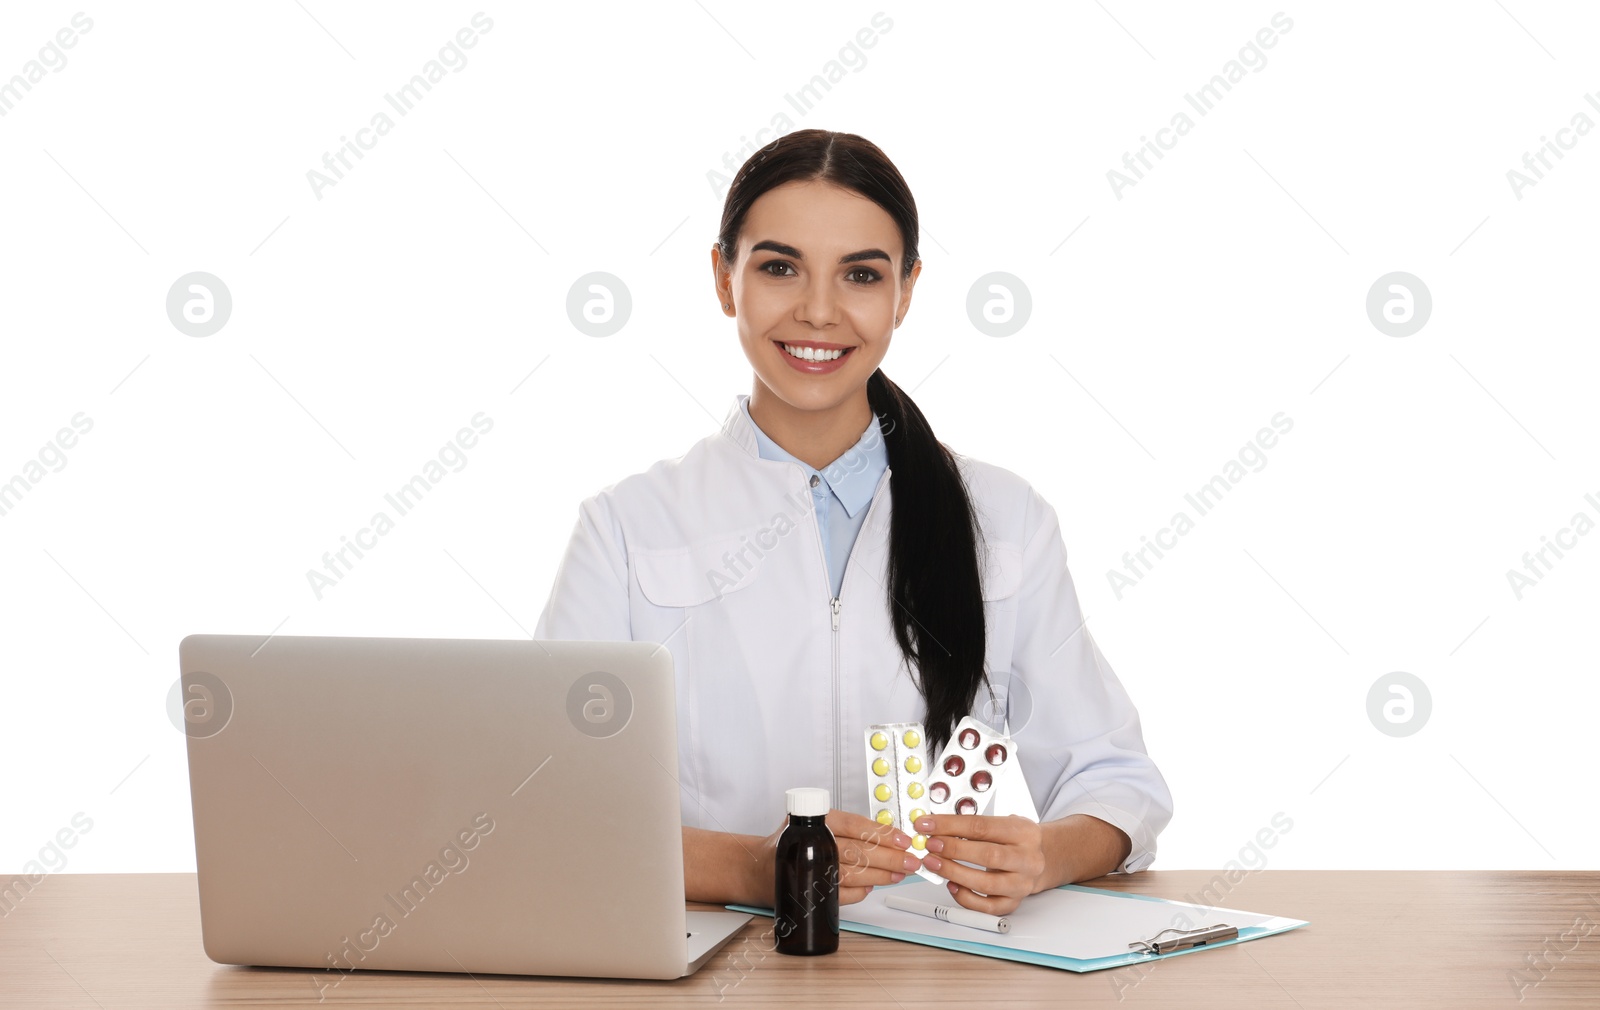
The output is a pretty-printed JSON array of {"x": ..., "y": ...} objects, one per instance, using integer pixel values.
[{"x": 934, "y": 588}]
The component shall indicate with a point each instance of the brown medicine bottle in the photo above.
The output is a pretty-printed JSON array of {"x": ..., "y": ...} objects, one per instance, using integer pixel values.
[{"x": 806, "y": 881}]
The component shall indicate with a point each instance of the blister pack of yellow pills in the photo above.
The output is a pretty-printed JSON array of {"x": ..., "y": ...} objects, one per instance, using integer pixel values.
[{"x": 897, "y": 787}]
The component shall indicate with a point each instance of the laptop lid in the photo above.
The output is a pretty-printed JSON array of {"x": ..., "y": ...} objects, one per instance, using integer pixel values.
[{"x": 436, "y": 804}]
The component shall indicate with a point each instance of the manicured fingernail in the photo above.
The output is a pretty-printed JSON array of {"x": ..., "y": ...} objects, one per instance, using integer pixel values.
[
  {"x": 932, "y": 862},
  {"x": 936, "y": 845},
  {"x": 896, "y": 877},
  {"x": 902, "y": 840},
  {"x": 911, "y": 863},
  {"x": 924, "y": 824}
]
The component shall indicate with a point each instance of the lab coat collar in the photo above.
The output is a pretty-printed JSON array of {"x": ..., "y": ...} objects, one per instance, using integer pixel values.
[
  {"x": 740, "y": 431},
  {"x": 853, "y": 477}
]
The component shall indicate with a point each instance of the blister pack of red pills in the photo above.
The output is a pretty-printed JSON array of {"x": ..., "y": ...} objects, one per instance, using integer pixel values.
[{"x": 962, "y": 781}]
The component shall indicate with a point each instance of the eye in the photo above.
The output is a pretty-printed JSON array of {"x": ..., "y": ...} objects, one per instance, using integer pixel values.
[
  {"x": 766, "y": 268},
  {"x": 872, "y": 276}
]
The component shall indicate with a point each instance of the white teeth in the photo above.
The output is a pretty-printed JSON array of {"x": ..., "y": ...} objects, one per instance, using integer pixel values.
[{"x": 811, "y": 353}]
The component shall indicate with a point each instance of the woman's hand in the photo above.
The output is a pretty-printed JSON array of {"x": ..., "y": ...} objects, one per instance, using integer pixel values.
[
  {"x": 1012, "y": 849},
  {"x": 869, "y": 854}
]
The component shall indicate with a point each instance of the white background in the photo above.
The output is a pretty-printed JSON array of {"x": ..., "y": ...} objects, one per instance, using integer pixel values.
[{"x": 1167, "y": 327}]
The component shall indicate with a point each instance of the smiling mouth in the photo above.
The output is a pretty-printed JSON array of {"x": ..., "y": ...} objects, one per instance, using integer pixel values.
[{"x": 813, "y": 353}]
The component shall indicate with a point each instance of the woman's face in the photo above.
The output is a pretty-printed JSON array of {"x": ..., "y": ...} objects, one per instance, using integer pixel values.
[{"x": 818, "y": 267}]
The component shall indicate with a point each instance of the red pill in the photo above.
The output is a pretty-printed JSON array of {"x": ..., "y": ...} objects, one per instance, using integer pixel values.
[
  {"x": 981, "y": 781},
  {"x": 953, "y": 765},
  {"x": 996, "y": 754},
  {"x": 966, "y": 805},
  {"x": 938, "y": 792},
  {"x": 969, "y": 738}
]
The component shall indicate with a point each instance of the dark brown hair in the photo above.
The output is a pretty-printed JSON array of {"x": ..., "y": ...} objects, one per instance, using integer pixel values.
[{"x": 935, "y": 597}]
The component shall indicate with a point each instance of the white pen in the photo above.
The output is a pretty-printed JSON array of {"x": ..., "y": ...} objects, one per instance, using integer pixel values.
[{"x": 950, "y": 913}]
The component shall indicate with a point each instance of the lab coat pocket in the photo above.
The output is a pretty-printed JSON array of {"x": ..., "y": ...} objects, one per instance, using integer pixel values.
[{"x": 690, "y": 576}]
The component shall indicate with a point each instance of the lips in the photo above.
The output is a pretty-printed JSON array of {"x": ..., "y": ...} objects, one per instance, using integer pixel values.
[
  {"x": 818, "y": 348},
  {"x": 814, "y": 367}
]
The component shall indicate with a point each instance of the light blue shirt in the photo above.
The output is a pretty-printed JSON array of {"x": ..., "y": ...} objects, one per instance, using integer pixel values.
[{"x": 840, "y": 493}]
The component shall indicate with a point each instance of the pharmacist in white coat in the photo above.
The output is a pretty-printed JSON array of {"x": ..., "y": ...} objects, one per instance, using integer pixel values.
[{"x": 767, "y": 577}]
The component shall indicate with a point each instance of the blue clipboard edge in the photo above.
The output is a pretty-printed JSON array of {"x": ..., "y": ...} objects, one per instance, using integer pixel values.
[{"x": 1046, "y": 960}]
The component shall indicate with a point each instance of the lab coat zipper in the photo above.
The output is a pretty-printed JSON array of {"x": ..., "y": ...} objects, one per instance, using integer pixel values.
[
  {"x": 836, "y": 604},
  {"x": 838, "y": 771}
]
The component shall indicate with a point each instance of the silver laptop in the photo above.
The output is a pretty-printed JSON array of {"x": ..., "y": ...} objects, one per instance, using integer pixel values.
[{"x": 440, "y": 805}]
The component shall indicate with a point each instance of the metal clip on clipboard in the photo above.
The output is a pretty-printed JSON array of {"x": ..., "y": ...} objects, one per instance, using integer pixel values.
[{"x": 1186, "y": 938}]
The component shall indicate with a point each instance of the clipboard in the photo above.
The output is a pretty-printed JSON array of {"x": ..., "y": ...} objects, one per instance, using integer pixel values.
[{"x": 1072, "y": 927}]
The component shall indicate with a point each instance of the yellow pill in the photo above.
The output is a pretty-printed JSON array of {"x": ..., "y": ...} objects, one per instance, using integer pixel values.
[
  {"x": 880, "y": 767},
  {"x": 914, "y": 790},
  {"x": 883, "y": 792},
  {"x": 919, "y": 842},
  {"x": 885, "y": 817},
  {"x": 915, "y": 814},
  {"x": 879, "y": 741},
  {"x": 911, "y": 738},
  {"x": 913, "y": 764}
]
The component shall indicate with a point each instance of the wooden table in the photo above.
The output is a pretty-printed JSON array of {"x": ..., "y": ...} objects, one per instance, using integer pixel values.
[{"x": 1376, "y": 940}]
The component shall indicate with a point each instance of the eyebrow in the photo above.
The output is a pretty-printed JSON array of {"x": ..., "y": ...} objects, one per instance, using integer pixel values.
[{"x": 789, "y": 250}]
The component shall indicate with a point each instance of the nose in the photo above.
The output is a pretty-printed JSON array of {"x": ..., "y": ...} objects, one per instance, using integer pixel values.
[{"x": 817, "y": 304}]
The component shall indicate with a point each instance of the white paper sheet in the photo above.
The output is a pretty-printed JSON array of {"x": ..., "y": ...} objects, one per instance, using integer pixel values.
[{"x": 1064, "y": 922}]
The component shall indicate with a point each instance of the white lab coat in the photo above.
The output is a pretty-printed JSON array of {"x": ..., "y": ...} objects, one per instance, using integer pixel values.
[{"x": 718, "y": 555}]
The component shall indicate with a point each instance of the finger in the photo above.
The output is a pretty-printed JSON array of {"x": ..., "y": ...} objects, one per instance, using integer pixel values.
[
  {"x": 978, "y": 827},
  {"x": 994, "y": 904},
  {"x": 869, "y": 877},
  {"x": 863, "y": 842},
  {"x": 854, "y": 825},
  {"x": 881, "y": 859},
  {"x": 870, "y": 853},
  {"x": 861, "y": 882},
  {"x": 992, "y": 855},
  {"x": 998, "y": 882},
  {"x": 847, "y": 825}
]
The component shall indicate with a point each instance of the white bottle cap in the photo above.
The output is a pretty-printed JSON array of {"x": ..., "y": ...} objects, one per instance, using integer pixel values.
[{"x": 807, "y": 802}]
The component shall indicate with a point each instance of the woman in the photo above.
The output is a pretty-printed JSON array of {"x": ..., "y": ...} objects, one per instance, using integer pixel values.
[{"x": 823, "y": 562}]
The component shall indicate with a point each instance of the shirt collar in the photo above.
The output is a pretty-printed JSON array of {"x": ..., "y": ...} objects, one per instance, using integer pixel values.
[{"x": 852, "y": 478}]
